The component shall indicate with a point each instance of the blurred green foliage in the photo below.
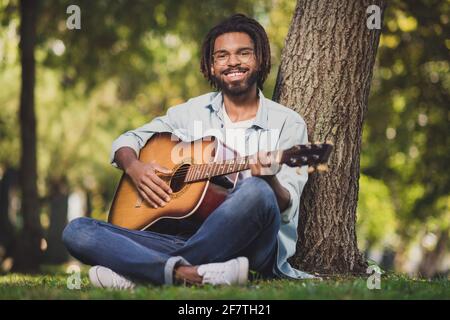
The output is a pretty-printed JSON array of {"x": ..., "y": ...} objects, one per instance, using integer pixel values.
[
  {"x": 131, "y": 61},
  {"x": 405, "y": 135}
]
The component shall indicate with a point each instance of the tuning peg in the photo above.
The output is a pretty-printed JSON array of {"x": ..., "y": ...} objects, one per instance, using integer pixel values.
[
  {"x": 322, "y": 167},
  {"x": 311, "y": 169}
]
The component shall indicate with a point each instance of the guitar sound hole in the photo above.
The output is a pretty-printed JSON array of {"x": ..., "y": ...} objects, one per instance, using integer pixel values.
[{"x": 177, "y": 183}]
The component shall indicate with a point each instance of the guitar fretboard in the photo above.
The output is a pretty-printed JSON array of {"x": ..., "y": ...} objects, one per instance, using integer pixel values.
[{"x": 204, "y": 171}]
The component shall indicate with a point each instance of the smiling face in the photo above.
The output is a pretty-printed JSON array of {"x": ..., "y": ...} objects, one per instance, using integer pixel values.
[{"x": 234, "y": 66}]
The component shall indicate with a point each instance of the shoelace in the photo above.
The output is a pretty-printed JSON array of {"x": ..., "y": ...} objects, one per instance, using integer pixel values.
[
  {"x": 120, "y": 282},
  {"x": 216, "y": 275}
]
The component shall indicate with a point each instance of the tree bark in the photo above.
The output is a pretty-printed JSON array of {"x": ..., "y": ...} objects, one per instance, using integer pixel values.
[
  {"x": 429, "y": 265},
  {"x": 325, "y": 76},
  {"x": 28, "y": 255},
  {"x": 56, "y": 251},
  {"x": 7, "y": 183}
]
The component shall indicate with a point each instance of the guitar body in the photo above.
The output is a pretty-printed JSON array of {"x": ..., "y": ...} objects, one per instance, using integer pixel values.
[
  {"x": 199, "y": 198},
  {"x": 197, "y": 178}
]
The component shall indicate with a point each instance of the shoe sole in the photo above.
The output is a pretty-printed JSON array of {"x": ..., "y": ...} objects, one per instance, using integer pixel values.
[{"x": 243, "y": 270}]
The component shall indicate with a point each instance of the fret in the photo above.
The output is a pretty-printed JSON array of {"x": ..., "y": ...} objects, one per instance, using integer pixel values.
[
  {"x": 187, "y": 177},
  {"x": 231, "y": 167},
  {"x": 211, "y": 170},
  {"x": 236, "y": 165},
  {"x": 214, "y": 168},
  {"x": 197, "y": 171},
  {"x": 208, "y": 170},
  {"x": 189, "y": 174},
  {"x": 202, "y": 171},
  {"x": 224, "y": 170},
  {"x": 205, "y": 171},
  {"x": 194, "y": 172}
]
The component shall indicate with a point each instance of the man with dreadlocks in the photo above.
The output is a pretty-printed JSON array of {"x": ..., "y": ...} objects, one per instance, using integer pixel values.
[{"x": 255, "y": 228}]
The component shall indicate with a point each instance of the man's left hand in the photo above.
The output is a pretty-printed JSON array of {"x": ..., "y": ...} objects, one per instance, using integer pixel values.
[{"x": 265, "y": 163}]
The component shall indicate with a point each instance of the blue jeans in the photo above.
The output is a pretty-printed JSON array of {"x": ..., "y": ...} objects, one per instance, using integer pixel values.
[{"x": 245, "y": 224}]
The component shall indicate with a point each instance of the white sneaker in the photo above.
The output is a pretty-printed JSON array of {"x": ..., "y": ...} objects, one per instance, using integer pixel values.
[
  {"x": 102, "y": 277},
  {"x": 234, "y": 271}
]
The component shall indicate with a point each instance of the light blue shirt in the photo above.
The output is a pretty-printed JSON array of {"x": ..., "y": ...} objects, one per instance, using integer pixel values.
[{"x": 275, "y": 127}]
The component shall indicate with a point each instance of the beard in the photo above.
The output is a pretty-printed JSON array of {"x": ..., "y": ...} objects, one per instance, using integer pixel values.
[{"x": 237, "y": 89}]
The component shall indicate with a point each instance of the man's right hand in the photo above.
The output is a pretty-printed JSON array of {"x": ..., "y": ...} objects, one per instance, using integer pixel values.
[{"x": 150, "y": 187}]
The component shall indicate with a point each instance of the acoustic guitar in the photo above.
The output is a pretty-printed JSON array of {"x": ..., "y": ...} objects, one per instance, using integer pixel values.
[{"x": 200, "y": 183}]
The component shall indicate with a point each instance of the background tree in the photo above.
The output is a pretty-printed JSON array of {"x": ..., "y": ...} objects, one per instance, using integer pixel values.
[
  {"x": 325, "y": 75},
  {"x": 28, "y": 253}
]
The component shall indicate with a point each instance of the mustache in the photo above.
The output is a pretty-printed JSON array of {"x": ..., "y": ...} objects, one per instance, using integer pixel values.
[{"x": 238, "y": 69}]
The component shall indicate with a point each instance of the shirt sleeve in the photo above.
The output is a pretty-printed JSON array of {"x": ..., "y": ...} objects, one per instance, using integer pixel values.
[
  {"x": 137, "y": 138},
  {"x": 288, "y": 176}
]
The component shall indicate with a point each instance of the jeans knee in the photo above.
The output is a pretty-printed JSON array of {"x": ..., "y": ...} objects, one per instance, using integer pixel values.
[
  {"x": 76, "y": 234},
  {"x": 257, "y": 193}
]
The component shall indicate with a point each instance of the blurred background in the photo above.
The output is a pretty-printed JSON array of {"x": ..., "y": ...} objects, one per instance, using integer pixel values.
[{"x": 130, "y": 61}]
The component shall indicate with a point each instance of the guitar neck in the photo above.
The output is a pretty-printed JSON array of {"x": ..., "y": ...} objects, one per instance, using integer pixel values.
[
  {"x": 198, "y": 172},
  {"x": 296, "y": 156}
]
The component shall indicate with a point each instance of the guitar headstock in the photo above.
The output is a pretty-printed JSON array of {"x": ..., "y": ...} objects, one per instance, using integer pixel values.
[{"x": 313, "y": 155}]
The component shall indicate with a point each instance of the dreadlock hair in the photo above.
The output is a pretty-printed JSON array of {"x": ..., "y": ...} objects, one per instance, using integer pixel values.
[{"x": 238, "y": 23}]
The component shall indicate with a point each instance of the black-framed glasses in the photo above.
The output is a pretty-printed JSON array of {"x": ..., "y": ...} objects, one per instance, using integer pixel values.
[{"x": 221, "y": 58}]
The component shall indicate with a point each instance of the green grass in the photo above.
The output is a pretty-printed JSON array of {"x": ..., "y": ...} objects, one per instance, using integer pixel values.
[{"x": 52, "y": 284}]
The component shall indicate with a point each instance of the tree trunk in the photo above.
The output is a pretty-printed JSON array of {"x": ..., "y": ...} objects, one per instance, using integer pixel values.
[
  {"x": 28, "y": 254},
  {"x": 56, "y": 251},
  {"x": 7, "y": 183},
  {"x": 429, "y": 265},
  {"x": 88, "y": 212},
  {"x": 325, "y": 75}
]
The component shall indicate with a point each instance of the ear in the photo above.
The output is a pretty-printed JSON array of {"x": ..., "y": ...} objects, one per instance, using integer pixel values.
[{"x": 212, "y": 70}]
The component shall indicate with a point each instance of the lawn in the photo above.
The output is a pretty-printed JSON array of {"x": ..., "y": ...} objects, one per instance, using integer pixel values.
[{"x": 52, "y": 284}]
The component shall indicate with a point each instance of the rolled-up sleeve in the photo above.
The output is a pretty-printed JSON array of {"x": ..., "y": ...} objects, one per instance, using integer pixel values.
[{"x": 288, "y": 176}]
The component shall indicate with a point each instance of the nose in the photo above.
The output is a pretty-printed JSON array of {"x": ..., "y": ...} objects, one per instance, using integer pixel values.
[{"x": 233, "y": 60}]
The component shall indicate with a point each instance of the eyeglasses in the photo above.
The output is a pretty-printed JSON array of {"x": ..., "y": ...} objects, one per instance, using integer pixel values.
[{"x": 221, "y": 58}]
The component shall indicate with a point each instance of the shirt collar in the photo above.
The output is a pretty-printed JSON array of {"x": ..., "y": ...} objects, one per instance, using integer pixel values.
[{"x": 261, "y": 119}]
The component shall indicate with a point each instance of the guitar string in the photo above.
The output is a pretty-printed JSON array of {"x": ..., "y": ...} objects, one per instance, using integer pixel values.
[{"x": 181, "y": 172}]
